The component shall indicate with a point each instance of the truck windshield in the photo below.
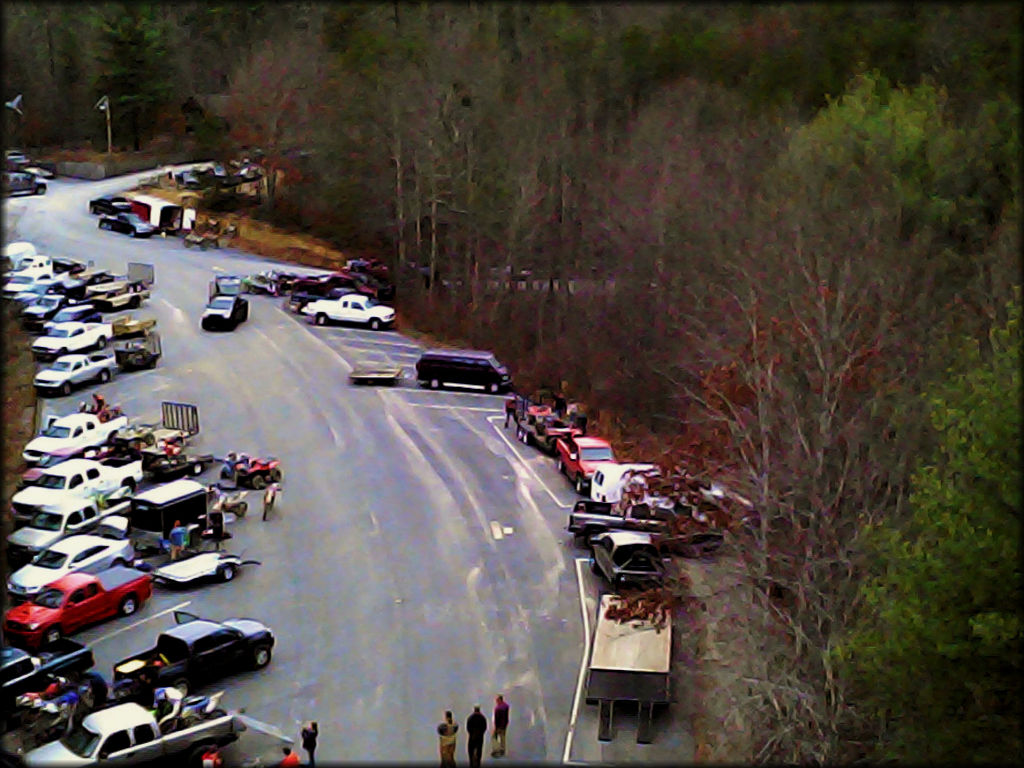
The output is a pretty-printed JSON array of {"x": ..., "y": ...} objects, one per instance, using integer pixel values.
[
  {"x": 50, "y": 559},
  {"x": 596, "y": 454},
  {"x": 47, "y": 521},
  {"x": 49, "y": 302},
  {"x": 81, "y": 741},
  {"x": 51, "y": 481},
  {"x": 49, "y": 598},
  {"x": 54, "y": 431}
]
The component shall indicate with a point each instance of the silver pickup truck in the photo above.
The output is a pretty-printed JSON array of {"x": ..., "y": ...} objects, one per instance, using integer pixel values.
[{"x": 129, "y": 733}]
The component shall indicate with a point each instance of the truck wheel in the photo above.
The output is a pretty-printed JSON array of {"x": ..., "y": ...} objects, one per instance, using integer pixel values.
[
  {"x": 129, "y": 483},
  {"x": 104, "y": 376},
  {"x": 579, "y": 484},
  {"x": 101, "y": 342},
  {"x": 65, "y": 389},
  {"x": 128, "y": 606},
  {"x": 434, "y": 383},
  {"x": 197, "y": 469},
  {"x": 561, "y": 467},
  {"x": 259, "y": 482},
  {"x": 494, "y": 388},
  {"x": 52, "y": 635},
  {"x": 261, "y": 656},
  {"x": 227, "y": 573},
  {"x": 320, "y": 319},
  {"x": 375, "y": 324}
]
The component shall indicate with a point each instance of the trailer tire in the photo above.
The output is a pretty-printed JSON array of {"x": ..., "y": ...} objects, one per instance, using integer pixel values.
[
  {"x": 197, "y": 468},
  {"x": 226, "y": 573},
  {"x": 129, "y": 605},
  {"x": 134, "y": 302}
]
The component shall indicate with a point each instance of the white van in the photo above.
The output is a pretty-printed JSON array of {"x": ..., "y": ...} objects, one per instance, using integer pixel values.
[{"x": 610, "y": 479}]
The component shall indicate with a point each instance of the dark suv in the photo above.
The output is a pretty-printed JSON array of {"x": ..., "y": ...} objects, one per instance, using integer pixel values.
[
  {"x": 16, "y": 182},
  {"x": 470, "y": 369}
]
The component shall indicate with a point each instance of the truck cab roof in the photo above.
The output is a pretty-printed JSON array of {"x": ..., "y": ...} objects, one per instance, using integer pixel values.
[{"x": 119, "y": 718}]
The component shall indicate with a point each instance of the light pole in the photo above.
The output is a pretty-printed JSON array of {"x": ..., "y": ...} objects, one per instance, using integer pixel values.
[{"x": 103, "y": 105}]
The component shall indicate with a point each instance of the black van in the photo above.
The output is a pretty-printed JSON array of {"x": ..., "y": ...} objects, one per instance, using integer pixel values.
[{"x": 468, "y": 368}]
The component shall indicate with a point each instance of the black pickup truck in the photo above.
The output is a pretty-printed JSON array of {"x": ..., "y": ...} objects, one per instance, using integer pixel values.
[
  {"x": 197, "y": 651},
  {"x": 589, "y": 518},
  {"x": 21, "y": 672}
]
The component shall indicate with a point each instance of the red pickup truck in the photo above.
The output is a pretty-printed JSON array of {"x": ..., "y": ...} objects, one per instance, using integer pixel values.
[
  {"x": 75, "y": 601},
  {"x": 579, "y": 457}
]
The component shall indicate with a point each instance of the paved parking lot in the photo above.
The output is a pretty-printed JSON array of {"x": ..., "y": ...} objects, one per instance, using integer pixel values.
[{"x": 418, "y": 561}]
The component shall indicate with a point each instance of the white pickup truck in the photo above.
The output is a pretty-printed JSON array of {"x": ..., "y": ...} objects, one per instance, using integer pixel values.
[
  {"x": 77, "y": 430},
  {"x": 68, "y": 371},
  {"x": 352, "y": 308},
  {"x": 51, "y": 523},
  {"x": 85, "y": 478},
  {"x": 71, "y": 337}
]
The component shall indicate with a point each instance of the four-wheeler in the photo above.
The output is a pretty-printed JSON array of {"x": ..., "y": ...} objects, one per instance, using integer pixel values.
[
  {"x": 75, "y": 601},
  {"x": 129, "y": 224},
  {"x": 251, "y": 472},
  {"x": 197, "y": 651},
  {"x": 225, "y": 313},
  {"x": 205, "y": 566},
  {"x": 136, "y": 354},
  {"x": 110, "y": 205},
  {"x": 69, "y": 371}
]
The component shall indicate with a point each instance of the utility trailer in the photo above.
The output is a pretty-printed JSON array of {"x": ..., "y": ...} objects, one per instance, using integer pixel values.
[
  {"x": 180, "y": 422},
  {"x": 629, "y": 662}
]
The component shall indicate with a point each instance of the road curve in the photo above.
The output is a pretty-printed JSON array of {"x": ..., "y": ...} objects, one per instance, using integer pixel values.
[{"x": 392, "y": 596}]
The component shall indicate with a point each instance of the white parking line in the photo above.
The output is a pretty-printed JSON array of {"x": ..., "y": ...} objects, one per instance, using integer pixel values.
[
  {"x": 140, "y": 622},
  {"x": 496, "y": 530},
  {"x": 525, "y": 463},
  {"x": 366, "y": 340},
  {"x": 179, "y": 316},
  {"x": 454, "y": 407},
  {"x": 583, "y": 663}
]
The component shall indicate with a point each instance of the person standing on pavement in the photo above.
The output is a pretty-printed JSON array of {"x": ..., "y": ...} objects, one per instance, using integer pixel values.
[
  {"x": 476, "y": 729},
  {"x": 510, "y": 409},
  {"x": 309, "y": 733},
  {"x": 178, "y": 536},
  {"x": 446, "y": 732},
  {"x": 500, "y": 726}
]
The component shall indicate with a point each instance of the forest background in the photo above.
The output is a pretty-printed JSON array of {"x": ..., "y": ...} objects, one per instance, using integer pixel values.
[{"x": 780, "y": 245}]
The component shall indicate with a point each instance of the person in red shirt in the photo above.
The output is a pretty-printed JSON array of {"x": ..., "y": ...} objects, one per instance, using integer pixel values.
[{"x": 290, "y": 760}]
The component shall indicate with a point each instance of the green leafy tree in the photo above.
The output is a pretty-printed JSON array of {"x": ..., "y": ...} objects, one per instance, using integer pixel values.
[
  {"x": 133, "y": 69},
  {"x": 936, "y": 656}
]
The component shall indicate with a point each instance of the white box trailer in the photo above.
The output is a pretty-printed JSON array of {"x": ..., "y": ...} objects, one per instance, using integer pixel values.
[{"x": 629, "y": 662}]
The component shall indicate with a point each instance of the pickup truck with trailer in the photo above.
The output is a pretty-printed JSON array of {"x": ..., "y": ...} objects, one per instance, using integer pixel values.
[
  {"x": 71, "y": 337},
  {"x": 129, "y": 734},
  {"x": 22, "y": 672},
  {"x": 537, "y": 424},
  {"x": 630, "y": 661},
  {"x": 31, "y": 475},
  {"x": 579, "y": 457},
  {"x": 76, "y": 430},
  {"x": 68, "y": 371},
  {"x": 75, "y": 601},
  {"x": 589, "y": 518},
  {"x": 49, "y": 524},
  {"x": 197, "y": 651},
  {"x": 116, "y": 295}
]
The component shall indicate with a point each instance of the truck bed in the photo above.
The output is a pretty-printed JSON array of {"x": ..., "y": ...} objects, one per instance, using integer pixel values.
[{"x": 115, "y": 578}]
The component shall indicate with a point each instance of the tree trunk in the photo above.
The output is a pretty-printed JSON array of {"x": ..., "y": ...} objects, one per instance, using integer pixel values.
[
  {"x": 418, "y": 203},
  {"x": 399, "y": 192}
]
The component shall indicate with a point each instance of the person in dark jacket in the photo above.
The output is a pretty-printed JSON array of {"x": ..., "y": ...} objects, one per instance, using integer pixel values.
[
  {"x": 500, "y": 726},
  {"x": 476, "y": 729},
  {"x": 310, "y": 731},
  {"x": 510, "y": 409},
  {"x": 446, "y": 732}
]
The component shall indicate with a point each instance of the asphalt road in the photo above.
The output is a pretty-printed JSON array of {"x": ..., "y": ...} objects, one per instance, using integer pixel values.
[{"x": 418, "y": 560}]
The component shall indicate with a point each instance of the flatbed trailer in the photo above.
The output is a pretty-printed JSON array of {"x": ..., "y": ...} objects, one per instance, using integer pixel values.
[
  {"x": 629, "y": 662},
  {"x": 371, "y": 373}
]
